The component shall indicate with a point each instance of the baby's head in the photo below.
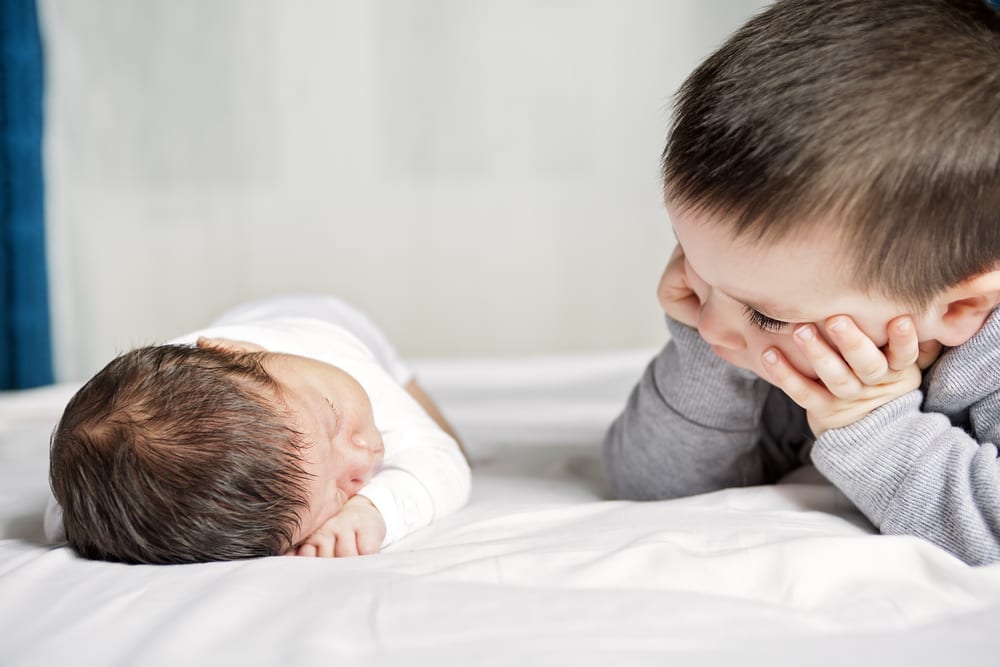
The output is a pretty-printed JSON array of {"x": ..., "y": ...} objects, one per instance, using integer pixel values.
[
  {"x": 175, "y": 454},
  {"x": 843, "y": 157}
]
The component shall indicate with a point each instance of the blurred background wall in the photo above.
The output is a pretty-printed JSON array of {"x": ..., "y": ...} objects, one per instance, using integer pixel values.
[{"x": 480, "y": 176}]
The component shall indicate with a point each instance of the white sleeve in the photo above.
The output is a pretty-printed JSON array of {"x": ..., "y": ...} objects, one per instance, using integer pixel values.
[
  {"x": 423, "y": 477},
  {"x": 329, "y": 309}
]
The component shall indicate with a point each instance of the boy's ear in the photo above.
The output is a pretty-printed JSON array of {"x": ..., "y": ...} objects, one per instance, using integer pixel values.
[{"x": 964, "y": 308}]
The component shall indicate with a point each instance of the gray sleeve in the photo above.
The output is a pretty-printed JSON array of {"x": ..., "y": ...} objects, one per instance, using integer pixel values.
[
  {"x": 914, "y": 473},
  {"x": 694, "y": 424}
]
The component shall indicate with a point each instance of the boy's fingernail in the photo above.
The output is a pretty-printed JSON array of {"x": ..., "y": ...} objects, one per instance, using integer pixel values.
[
  {"x": 805, "y": 333},
  {"x": 838, "y": 325},
  {"x": 903, "y": 326},
  {"x": 770, "y": 357}
]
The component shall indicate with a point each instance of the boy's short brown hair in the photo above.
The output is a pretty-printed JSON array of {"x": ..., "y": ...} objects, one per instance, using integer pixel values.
[
  {"x": 879, "y": 119},
  {"x": 176, "y": 454}
]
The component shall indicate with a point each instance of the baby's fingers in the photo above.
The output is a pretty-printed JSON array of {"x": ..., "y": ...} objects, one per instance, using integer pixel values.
[
  {"x": 347, "y": 545},
  {"x": 318, "y": 546},
  {"x": 902, "y": 349}
]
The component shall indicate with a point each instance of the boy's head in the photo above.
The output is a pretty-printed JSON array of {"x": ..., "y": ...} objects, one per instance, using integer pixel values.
[
  {"x": 175, "y": 454},
  {"x": 851, "y": 145}
]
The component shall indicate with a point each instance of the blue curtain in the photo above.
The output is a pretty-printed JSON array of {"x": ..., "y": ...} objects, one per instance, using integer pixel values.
[{"x": 25, "y": 342}]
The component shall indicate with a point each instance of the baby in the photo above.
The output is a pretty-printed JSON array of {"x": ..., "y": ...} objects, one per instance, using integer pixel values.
[{"x": 289, "y": 426}]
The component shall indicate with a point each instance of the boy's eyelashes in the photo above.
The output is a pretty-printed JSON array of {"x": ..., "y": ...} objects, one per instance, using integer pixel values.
[{"x": 762, "y": 321}]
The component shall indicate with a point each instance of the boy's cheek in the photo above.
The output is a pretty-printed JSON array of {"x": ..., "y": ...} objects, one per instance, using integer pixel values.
[{"x": 788, "y": 348}]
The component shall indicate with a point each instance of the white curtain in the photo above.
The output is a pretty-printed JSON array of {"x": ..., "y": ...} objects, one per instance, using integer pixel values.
[{"x": 480, "y": 176}]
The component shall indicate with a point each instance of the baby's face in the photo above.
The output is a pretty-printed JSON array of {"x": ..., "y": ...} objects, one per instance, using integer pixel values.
[
  {"x": 343, "y": 447},
  {"x": 754, "y": 296}
]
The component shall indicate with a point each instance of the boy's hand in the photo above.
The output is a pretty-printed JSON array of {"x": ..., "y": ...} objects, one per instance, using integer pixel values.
[
  {"x": 677, "y": 298},
  {"x": 855, "y": 376},
  {"x": 356, "y": 530}
]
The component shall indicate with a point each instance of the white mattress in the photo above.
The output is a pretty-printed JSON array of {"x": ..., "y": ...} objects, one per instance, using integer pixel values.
[{"x": 540, "y": 567}]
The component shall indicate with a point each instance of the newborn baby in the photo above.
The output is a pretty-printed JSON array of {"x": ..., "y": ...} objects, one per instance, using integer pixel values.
[{"x": 288, "y": 426}]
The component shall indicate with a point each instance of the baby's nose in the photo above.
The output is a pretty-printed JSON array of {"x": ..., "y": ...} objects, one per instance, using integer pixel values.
[
  {"x": 362, "y": 457},
  {"x": 360, "y": 440}
]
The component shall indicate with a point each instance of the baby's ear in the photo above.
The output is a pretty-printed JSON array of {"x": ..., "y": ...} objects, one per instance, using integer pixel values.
[
  {"x": 965, "y": 307},
  {"x": 228, "y": 345}
]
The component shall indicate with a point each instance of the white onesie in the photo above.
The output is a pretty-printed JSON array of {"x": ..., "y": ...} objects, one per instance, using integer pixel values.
[{"x": 423, "y": 475}]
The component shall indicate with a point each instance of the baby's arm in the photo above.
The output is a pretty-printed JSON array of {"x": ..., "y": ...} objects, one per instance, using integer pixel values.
[
  {"x": 423, "y": 477},
  {"x": 359, "y": 529},
  {"x": 432, "y": 410}
]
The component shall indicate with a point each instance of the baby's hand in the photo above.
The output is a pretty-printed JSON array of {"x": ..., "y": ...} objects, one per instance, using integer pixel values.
[
  {"x": 356, "y": 530},
  {"x": 855, "y": 377},
  {"x": 677, "y": 298}
]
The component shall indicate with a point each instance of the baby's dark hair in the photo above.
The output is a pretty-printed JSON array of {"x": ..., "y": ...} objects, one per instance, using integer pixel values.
[
  {"x": 878, "y": 119},
  {"x": 177, "y": 454}
]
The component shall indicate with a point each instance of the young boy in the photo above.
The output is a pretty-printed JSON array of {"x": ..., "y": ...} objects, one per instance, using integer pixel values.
[
  {"x": 833, "y": 180},
  {"x": 276, "y": 430}
]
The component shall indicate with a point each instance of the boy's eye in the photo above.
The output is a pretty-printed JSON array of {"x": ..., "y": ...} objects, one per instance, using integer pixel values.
[{"x": 763, "y": 322}]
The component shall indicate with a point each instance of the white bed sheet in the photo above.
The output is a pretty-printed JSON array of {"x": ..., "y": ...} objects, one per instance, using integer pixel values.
[{"x": 539, "y": 568}]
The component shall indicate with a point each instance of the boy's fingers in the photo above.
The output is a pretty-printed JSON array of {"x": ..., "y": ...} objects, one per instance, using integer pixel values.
[
  {"x": 308, "y": 550},
  {"x": 928, "y": 353},
  {"x": 902, "y": 349},
  {"x": 676, "y": 297},
  {"x": 806, "y": 393},
  {"x": 830, "y": 366},
  {"x": 867, "y": 362}
]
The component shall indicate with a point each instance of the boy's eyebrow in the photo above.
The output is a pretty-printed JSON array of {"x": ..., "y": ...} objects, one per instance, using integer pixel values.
[{"x": 764, "y": 308}]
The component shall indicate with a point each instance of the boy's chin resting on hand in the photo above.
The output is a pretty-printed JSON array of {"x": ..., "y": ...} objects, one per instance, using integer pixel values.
[{"x": 356, "y": 530}]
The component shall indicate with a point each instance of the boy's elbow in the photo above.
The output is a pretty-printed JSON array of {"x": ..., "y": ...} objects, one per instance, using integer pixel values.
[
  {"x": 642, "y": 466},
  {"x": 630, "y": 471}
]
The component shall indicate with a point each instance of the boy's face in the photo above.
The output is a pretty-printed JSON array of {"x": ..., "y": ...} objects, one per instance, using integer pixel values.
[
  {"x": 343, "y": 446},
  {"x": 754, "y": 296}
]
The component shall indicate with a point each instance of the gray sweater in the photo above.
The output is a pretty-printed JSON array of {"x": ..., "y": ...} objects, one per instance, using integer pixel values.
[{"x": 924, "y": 464}]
